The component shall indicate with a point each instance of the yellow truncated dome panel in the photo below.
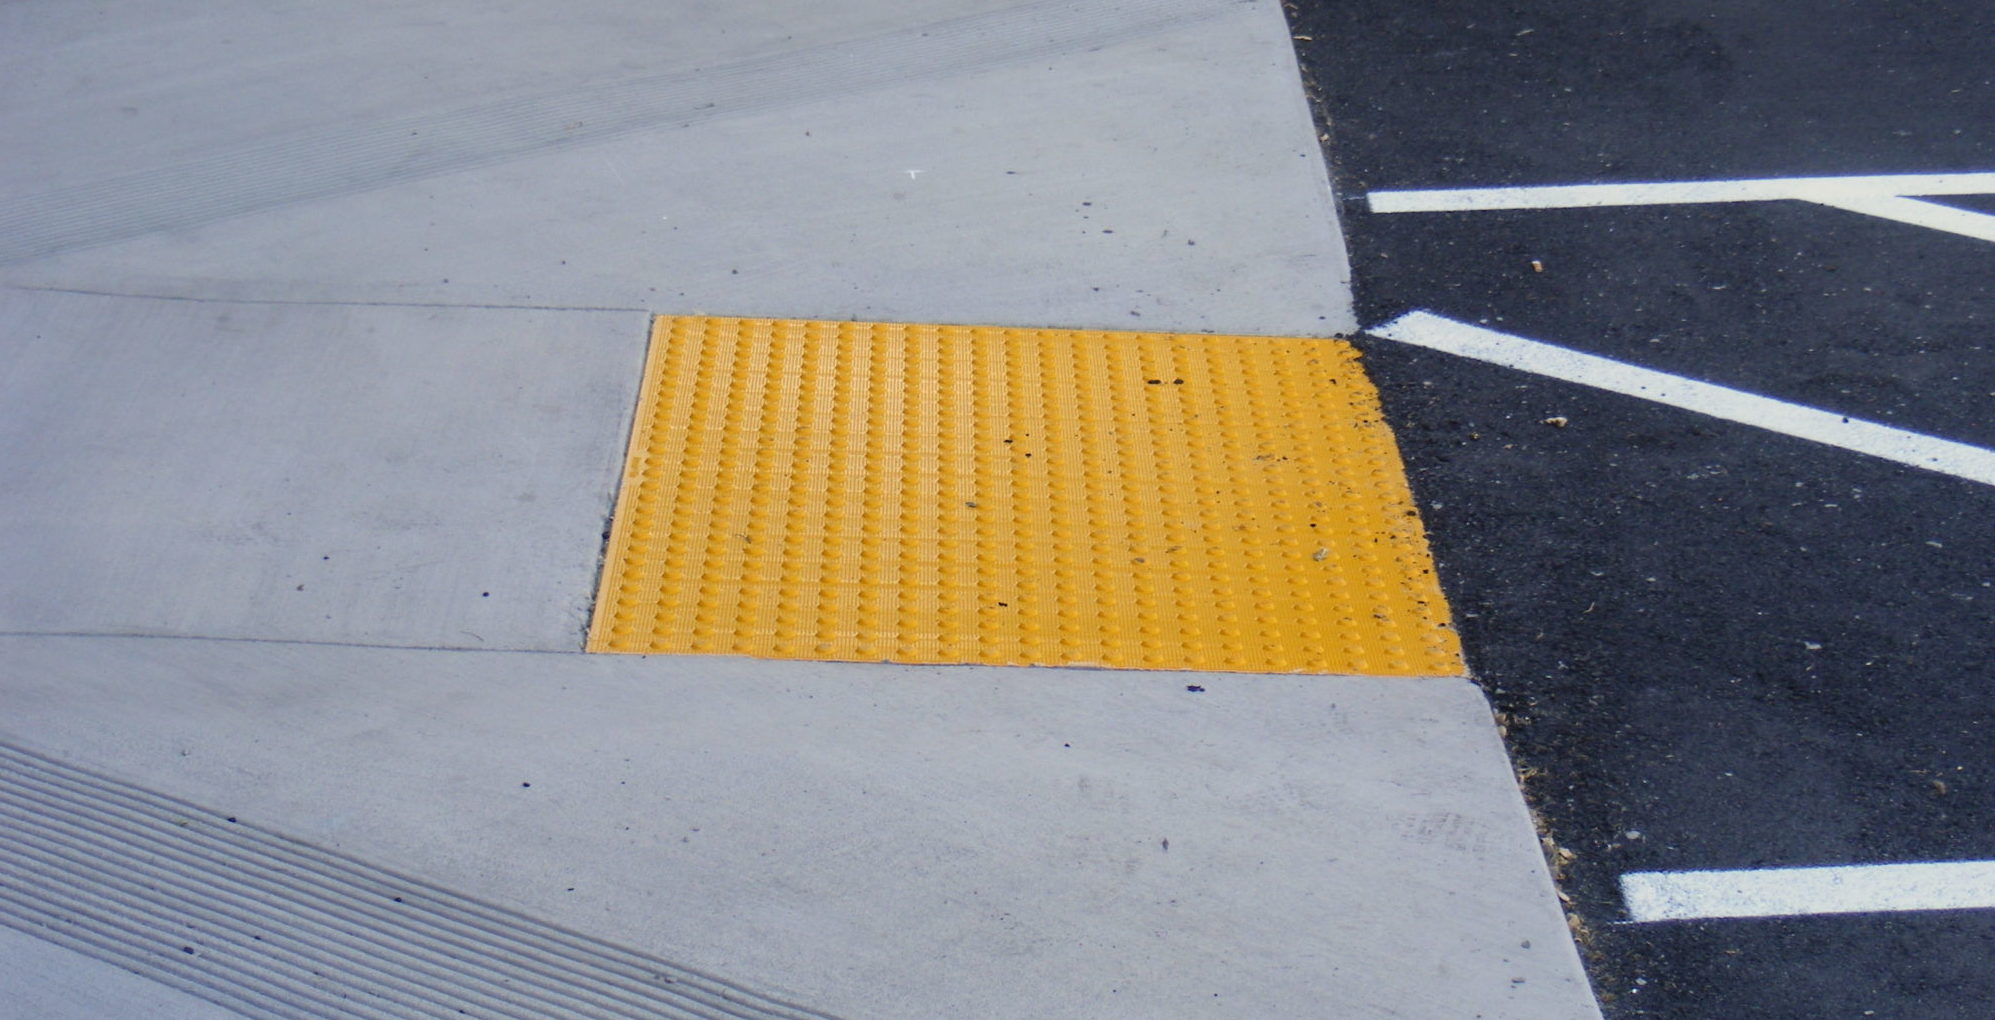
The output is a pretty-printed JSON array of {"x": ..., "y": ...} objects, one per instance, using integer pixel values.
[{"x": 963, "y": 494}]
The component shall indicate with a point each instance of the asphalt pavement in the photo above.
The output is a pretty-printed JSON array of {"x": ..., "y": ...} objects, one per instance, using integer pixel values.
[{"x": 1716, "y": 646}]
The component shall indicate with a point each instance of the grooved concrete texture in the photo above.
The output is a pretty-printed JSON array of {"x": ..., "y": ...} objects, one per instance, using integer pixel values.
[
  {"x": 879, "y": 841},
  {"x": 201, "y": 901}
]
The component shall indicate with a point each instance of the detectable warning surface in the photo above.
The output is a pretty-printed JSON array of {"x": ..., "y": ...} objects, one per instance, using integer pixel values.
[{"x": 963, "y": 494}]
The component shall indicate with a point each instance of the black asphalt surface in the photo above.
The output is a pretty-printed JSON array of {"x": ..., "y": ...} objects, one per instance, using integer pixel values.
[{"x": 1716, "y": 647}]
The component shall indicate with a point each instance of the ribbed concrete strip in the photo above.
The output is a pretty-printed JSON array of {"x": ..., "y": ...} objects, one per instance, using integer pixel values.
[{"x": 250, "y": 920}]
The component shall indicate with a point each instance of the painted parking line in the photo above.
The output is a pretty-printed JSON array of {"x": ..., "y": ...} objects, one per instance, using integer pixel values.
[
  {"x": 1797, "y": 892},
  {"x": 1435, "y": 332},
  {"x": 956, "y": 494},
  {"x": 1888, "y": 196}
]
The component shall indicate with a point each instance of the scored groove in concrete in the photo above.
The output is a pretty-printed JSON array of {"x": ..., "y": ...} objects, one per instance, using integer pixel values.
[
  {"x": 252, "y": 921},
  {"x": 958, "y": 494}
]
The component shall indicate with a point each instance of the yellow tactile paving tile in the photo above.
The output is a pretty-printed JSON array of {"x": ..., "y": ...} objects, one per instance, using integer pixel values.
[{"x": 964, "y": 494}]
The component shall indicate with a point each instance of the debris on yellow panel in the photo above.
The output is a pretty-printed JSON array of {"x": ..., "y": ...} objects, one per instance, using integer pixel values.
[{"x": 960, "y": 494}]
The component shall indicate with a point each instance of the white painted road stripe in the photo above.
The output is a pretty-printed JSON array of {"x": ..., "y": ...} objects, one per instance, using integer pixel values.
[
  {"x": 1918, "y": 213},
  {"x": 1425, "y": 329},
  {"x": 1790, "y": 892},
  {"x": 1882, "y": 195},
  {"x": 1768, "y": 189}
]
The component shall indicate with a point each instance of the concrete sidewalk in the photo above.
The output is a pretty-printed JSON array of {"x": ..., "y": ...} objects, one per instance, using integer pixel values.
[{"x": 322, "y": 333}]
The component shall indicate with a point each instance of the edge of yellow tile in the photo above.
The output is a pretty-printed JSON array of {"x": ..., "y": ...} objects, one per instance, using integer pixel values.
[{"x": 607, "y": 574}]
